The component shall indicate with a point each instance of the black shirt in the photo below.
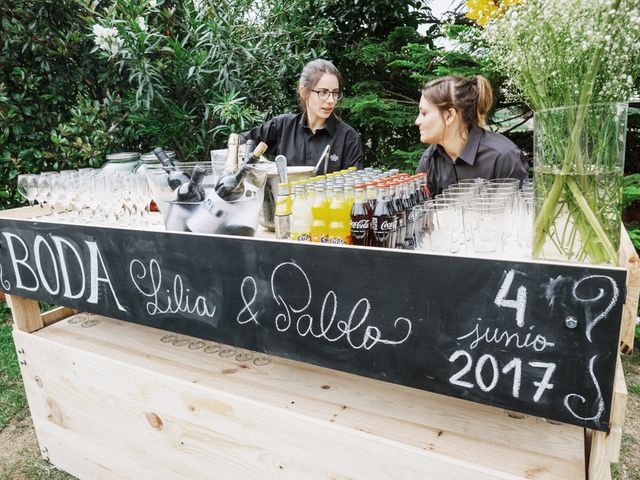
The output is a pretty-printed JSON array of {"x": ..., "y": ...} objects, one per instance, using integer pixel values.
[
  {"x": 290, "y": 135},
  {"x": 486, "y": 155}
]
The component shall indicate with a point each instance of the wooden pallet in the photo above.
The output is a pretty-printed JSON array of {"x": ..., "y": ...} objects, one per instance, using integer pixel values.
[
  {"x": 629, "y": 260},
  {"x": 111, "y": 399}
]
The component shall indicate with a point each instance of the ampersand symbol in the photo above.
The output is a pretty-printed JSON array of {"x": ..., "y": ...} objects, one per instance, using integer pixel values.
[{"x": 252, "y": 316}]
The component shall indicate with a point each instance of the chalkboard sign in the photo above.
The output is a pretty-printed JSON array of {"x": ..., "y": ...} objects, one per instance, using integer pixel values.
[{"x": 531, "y": 337}]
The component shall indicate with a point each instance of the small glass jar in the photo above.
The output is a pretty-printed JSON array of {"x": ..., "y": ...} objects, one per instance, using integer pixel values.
[{"x": 121, "y": 162}]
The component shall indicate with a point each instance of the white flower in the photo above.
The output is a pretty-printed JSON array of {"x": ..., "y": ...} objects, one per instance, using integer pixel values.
[
  {"x": 141, "y": 24},
  {"x": 107, "y": 39},
  {"x": 153, "y": 3}
]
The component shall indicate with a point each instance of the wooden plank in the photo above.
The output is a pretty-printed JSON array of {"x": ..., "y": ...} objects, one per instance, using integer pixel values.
[
  {"x": 629, "y": 260},
  {"x": 605, "y": 446},
  {"x": 107, "y": 395},
  {"x": 23, "y": 212},
  {"x": 55, "y": 315},
  {"x": 26, "y": 313},
  {"x": 618, "y": 414},
  {"x": 599, "y": 468}
]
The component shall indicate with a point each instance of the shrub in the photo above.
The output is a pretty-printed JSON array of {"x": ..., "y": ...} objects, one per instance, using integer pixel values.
[
  {"x": 57, "y": 109},
  {"x": 203, "y": 69}
]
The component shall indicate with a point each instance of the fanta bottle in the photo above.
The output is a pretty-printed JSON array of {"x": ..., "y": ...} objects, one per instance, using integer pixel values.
[
  {"x": 339, "y": 218},
  {"x": 320, "y": 216}
]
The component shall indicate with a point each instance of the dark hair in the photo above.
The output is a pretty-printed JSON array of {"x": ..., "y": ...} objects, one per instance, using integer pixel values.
[
  {"x": 470, "y": 97},
  {"x": 312, "y": 73}
]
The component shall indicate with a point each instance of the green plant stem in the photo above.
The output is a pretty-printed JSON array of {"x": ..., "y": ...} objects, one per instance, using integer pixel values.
[
  {"x": 543, "y": 221},
  {"x": 592, "y": 220},
  {"x": 546, "y": 215}
]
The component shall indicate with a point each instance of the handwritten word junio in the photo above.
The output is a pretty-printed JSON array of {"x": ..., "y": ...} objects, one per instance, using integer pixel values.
[{"x": 504, "y": 337}]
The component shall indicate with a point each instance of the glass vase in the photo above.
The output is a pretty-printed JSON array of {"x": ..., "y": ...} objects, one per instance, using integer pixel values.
[{"x": 578, "y": 173}]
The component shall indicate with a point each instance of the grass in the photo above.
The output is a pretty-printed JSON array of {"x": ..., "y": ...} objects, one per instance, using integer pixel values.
[{"x": 12, "y": 397}]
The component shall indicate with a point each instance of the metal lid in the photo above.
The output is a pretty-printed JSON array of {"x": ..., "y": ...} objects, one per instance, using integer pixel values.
[
  {"x": 150, "y": 157},
  {"x": 122, "y": 157}
]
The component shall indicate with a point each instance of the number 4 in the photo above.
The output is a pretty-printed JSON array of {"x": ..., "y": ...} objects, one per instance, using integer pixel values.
[{"x": 520, "y": 303}]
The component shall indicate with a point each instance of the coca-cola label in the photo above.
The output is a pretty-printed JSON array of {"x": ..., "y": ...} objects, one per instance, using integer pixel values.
[
  {"x": 388, "y": 225},
  {"x": 412, "y": 216},
  {"x": 362, "y": 224}
]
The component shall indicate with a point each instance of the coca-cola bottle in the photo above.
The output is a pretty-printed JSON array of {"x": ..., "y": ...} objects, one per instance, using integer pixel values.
[
  {"x": 372, "y": 194},
  {"x": 361, "y": 214},
  {"x": 176, "y": 177},
  {"x": 422, "y": 179},
  {"x": 401, "y": 215},
  {"x": 192, "y": 191},
  {"x": 383, "y": 222},
  {"x": 408, "y": 204}
]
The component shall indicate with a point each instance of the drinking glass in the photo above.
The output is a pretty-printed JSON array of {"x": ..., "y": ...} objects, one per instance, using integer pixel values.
[
  {"x": 44, "y": 190},
  {"x": 486, "y": 221},
  {"x": 437, "y": 235},
  {"x": 28, "y": 186},
  {"x": 141, "y": 194}
]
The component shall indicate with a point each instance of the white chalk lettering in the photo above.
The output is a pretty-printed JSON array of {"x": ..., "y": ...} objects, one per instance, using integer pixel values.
[
  {"x": 600, "y": 401},
  {"x": 455, "y": 378},
  {"x": 494, "y": 335},
  {"x": 614, "y": 299},
  {"x": 516, "y": 366},
  {"x": 355, "y": 329},
  {"x": 39, "y": 241},
  {"x": 3, "y": 281},
  {"x": 494, "y": 372},
  {"x": 58, "y": 242},
  {"x": 544, "y": 383},
  {"x": 95, "y": 256},
  {"x": 519, "y": 304},
  {"x": 176, "y": 299},
  {"x": 253, "y": 316},
  {"x": 21, "y": 262}
]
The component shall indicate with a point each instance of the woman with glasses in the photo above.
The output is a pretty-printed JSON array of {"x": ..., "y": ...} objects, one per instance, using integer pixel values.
[
  {"x": 451, "y": 118},
  {"x": 303, "y": 137}
]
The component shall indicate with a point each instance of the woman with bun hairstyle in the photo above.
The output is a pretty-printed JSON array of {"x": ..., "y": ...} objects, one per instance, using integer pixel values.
[
  {"x": 451, "y": 119},
  {"x": 303, "y": 137}
]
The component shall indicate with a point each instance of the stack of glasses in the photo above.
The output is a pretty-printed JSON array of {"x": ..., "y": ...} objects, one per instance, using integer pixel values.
[
  {"x": 480, "y": 217},
  {"x": 89, "y": 196}
]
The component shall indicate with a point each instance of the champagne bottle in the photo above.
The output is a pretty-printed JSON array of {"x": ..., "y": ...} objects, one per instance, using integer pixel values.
[
  {"x": 192, "y": 191},
  {"x": 176, "y": 177},
  {"x": 231, "y": 165},
  {"x": 249, "y": 147},
  {"x": 229, "y": 187}
]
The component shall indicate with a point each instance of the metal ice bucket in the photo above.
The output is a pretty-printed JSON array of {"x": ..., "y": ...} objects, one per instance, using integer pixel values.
[{"x": 268, "y": 210}]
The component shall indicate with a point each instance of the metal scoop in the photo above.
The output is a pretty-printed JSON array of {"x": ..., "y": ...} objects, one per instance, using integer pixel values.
[
  {"x": 324, "y": 159},
  {"x": 281, "y": 165}
]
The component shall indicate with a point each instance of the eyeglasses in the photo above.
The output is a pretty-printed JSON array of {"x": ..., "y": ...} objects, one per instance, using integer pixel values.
[{"x": 324, "y": 94}]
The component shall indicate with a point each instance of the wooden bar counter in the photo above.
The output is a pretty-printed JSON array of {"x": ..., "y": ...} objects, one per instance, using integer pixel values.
[{"x": 114, "y": 399}]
